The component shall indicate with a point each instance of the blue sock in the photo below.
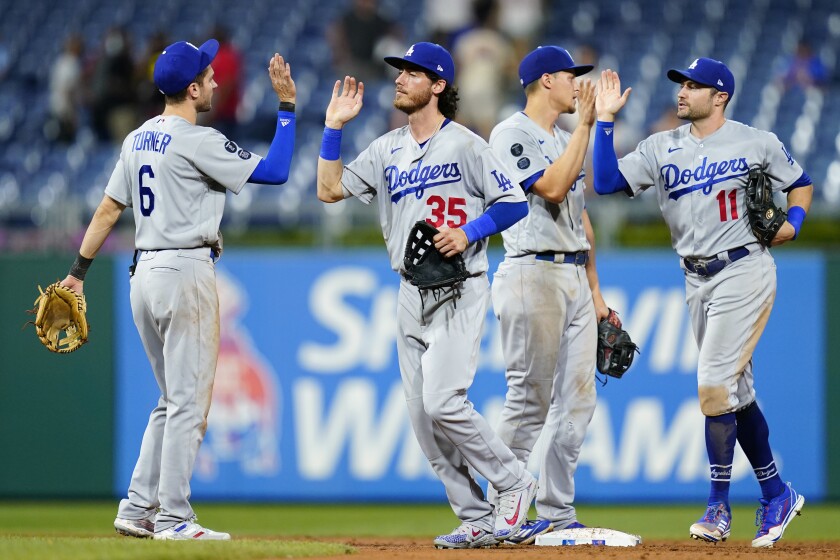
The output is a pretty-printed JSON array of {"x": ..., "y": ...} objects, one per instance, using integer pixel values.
[
  {"x": 754, "y": 437},
  {"x": 720, "y": 445}
]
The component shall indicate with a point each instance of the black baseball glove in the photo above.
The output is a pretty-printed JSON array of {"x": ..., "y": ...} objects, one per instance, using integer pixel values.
[
  {"x": 765, "y": 217},
  {"x": 615, "y": 349},
  {"x": 425, "y": 267}
]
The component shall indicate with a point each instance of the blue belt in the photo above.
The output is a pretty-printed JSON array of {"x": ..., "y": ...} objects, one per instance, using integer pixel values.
[
  {"x": 710, "y": 267},
  {"x": 579, "y": 258}
]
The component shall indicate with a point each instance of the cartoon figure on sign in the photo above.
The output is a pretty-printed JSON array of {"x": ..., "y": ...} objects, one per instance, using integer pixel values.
[{"x": 242, "y": 426}]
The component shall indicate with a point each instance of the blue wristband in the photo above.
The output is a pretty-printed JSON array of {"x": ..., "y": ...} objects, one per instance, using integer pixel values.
[
  {"x": 796, "y": 215},
  {"x": 331, "y": 144}
]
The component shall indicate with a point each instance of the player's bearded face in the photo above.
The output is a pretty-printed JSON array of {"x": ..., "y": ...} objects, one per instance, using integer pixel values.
[
  {"x": 413, "y": 91},
  {"x": 694, "y": 102}
]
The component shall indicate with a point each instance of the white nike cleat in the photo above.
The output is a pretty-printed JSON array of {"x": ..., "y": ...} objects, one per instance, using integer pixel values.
[
  {"x": 513, "y": 507},
  {"x": 188, "y": 531}
]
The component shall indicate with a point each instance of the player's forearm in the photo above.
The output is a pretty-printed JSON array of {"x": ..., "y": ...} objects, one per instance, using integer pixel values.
[
  {"x": 274, "y": 168},
  {"x": 497, "y": 218},
  {"x": 561, "y": 175},
  {"x": 330, "y": 168},
  {"x": 607, "y": 177},
  {"x": 799, "y": 202},
  {"x": 100, "y": 227},
  {"x": 801, "y": 197},
  {"x": 329, "y": 180}
]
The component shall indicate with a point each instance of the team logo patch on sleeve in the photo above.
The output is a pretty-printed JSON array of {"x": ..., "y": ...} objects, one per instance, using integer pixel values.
[
  {"x": 231, "y": 146},
  {"x": 516, "y": 150},
  {"x": 244, "y": 154},
  {"x": 523, "y": 163}
]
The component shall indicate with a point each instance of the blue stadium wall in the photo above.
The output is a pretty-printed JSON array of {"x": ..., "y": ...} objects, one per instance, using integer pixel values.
[{"x": 308, "y": 404}]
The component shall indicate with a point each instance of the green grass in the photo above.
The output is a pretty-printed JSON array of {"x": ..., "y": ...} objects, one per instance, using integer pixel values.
[
  {"x": 75, "y": 531},
  {"x": 78, "y": 548}
]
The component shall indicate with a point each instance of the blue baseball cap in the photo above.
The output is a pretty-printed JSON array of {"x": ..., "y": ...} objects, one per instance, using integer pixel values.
[
  {"x": 548, "y": 60},
  {"x": 428, "y": 56},
  {"x": 707, "y": 72},
  {"x": 179, "y": 64}
]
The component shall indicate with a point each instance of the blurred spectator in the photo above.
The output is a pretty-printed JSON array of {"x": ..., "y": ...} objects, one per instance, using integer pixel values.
[
  {"x": 445, "y": 18},
  {"x": 804, "y": 69},
  {"x": 149, "y": 98},
  {"x": 354, "y": 39},
  {"x": 228, "y": 68},
  {"x": 521, "y": 20},
  {"x": 485, "y": 65},
  {"x": 114, "y": 104},
  {"x": 5, "y": 58},
  {"x": 65, "y": 89}
]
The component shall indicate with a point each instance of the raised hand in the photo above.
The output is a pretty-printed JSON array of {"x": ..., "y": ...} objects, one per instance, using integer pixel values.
[
  {"x": 280, "y": 73},
  {"x": 586, "y": 102},
  {"x": 609, "y": 99},
  {"x": 346, "y": 103}
]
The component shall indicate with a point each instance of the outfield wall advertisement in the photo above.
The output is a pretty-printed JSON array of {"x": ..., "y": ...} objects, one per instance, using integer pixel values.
[{"x": 308, "y": 403}]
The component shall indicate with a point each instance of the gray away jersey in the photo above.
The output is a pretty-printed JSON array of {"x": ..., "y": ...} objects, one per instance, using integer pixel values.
[
  {"x": 700, "y": 184},
  {"x": 174, "y": 175},
  {"x": 451, "y": 180},
  {"x": 528, "y": 149}
]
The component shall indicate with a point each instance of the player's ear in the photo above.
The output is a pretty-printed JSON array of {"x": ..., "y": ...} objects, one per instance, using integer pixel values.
[
  {"x": 193, "y": 90},
  {"x": 545, "y": 79},
  {"x": 438, "y": 87}
]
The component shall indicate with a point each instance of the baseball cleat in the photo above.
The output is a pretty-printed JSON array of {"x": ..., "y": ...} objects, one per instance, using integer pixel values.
[
  {"x": 466, "y": 536},
  {"x": 138, "y": 528},
  {"x": 188, "y": 531},
  {"x": 513, "y": 508},
  {"x": 574, "y": 525},
  {"x": 773, "y": 517},
  {"x": 714, "y": 525},
  {"x": 529, "y": 532}
]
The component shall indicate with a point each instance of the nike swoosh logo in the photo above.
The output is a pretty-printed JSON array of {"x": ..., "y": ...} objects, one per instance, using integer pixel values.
[
  {"x": 670, "y": 150},
  {"x": 542, "y": 141},
  {"x": 512, "y": 520},
  {"x": 475, "y": 533},
  {"x": 394, "y": 150}
]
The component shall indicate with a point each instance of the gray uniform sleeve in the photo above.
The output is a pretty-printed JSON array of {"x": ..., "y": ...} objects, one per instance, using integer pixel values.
[
  {"x": 494, "y": 183},
  {"x": 119, "y": 187},
  {"x": 520, "y": 152},
  {"x": 779, "y": 165},
  {"x": 639, "y": 167},
  {"x": 362, "y": 176},
  {"x": 223, "y": 161}
]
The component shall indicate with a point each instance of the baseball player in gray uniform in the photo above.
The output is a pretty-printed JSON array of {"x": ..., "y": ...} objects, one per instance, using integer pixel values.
[
  {"x": 174, "y": 175},
  {"x": 438, "y": 171},
  {"x": 544, "y": 290},
  {"x": 699, "y": 172}
]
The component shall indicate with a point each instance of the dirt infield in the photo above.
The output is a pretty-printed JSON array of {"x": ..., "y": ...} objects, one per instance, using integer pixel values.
[{"x": 411, "y": 549}]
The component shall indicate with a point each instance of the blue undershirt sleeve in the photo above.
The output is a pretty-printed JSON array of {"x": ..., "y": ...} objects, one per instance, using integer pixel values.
[
  {"x": 273, "y": 169},
  {"x": 803, "y": 181},
  {"x": 529, "y": 182},
  {"x": 607, "y": 178},
  {"x": 497, "y": 218}
]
